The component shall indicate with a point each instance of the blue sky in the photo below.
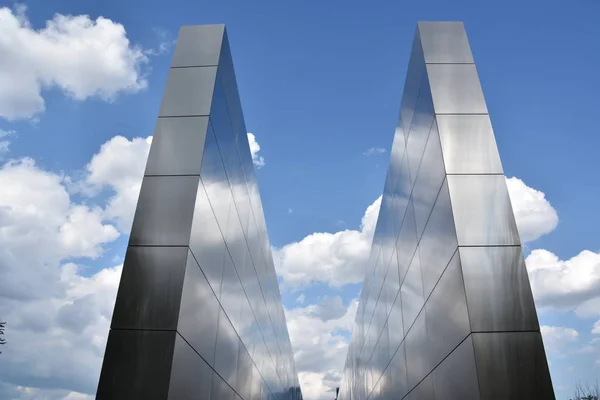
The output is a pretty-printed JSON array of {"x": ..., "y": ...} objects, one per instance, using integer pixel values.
[{"x": 320, "y": 85}]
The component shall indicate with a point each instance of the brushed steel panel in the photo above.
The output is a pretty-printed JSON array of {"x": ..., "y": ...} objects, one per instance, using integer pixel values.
[
  {"x": 444, "y": 42},
  {"x": 221, "y": 390},
  {"x": 398, "y": 372},
  {"x": 198, "y": 45},
  {"x": 417, "y": 351},
  {"x": 177, "y": 146},
  {"x": 244, "y": 374},
  {"x": 396, "y": 154},
  {"x": 191, "y": 377},
  {"x": 231, "y": 293},
  {"x": 206, "y": 242},
  {"x": 412, "y": 293},
  {"x": 401, "y": 195},
  {"x": 407, "y": 241},
  {"x": 429, "y": 180},
  {"x": 498, "y": 291},
  {"x": 229, "y": 81},
  {"x": 512, "y": 365},
  {"x": 414, "y": 76},
  {"x": 455, "y": 89},
  {"x": 188, "y": 92},
  {"x": 164, "y": 211},
  {"x": 438, "y": 242},
  {"x": 468, "y": 144},
  {"x": 224, "y": 134},
  {"x": 419, "y": 130},
  {"x": 150, "y": 290},
  {"x": 199, "y": 312},
  {"x": 137, "y": 365},
  {"x": 226, "y": 351},
  {"x": 396, "y": 328},
  {"x": 424, "y": 391},
  {"x": 482, "y": 210},
  {"x": 456, "y": 376},
  {"x": 215, "y": 180},
  {"x": 392, "y": 282},
  {"x": 447, "y": 315}
]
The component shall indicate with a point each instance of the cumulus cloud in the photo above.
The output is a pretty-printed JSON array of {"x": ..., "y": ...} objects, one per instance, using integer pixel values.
[
  {"x": 373, "y": 151},
  {"x": 534, "y": 214},
  {"x": 333, "y": 258},
  {"x": 119, "y": 166},
  {"x": 81, "y": 56},
  {"x": 573, "y": 284},
  {"x": 319, "y": 347},
  {"x": 57, "y": 316},
  {"x": 258, "y": 160},
  {"x": 557, "y": 337}
]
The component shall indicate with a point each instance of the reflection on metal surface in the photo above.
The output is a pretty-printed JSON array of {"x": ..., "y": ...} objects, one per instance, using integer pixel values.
[
  {"x": 198, "y": 313},
  {"x": 461, "y": 322}
]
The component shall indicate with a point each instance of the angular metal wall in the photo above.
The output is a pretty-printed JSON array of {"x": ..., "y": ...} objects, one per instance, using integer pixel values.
[
  {"x": 198, "y": 312},
  {"x": 446, "y": 310}
]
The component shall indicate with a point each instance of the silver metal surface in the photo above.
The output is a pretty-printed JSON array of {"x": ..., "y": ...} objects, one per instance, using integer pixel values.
[
  {"x": 165, "y": 209},
  {"x": 176, "y": 143},
  {"x": 199, "y": 267},
  {"x": 468, "y": 144},
  {"x": 512, "y": 365},
  {"x": 424, "y": 391},
  {"x": 418, "y": 361},
  {"x": 447, "y": 314},
  {"x": 447, "y": 226},
  {"x": 137, "y": 365},
  {"x": 150, "y": 291},
  {"x": 456, "y": 376},
  {"x": 498, "y": 291},
  {"x": 189, "y": 92},
  {"x": 198, "y": 46},
  {"x": 419, "y": 131},
  {"x": 444, "y": 42},
  {"x": 455, "y": 89},
  {"x": 198, "y": 303},
  {"x": 412, "y": 293},
  {"x": 438, "y": 242},
  {"x": 482, "y": 210},
  {"x": 191, "y": 377},
  {"x": 429, "y": 180},
  {"x": 414, "y": 75}
]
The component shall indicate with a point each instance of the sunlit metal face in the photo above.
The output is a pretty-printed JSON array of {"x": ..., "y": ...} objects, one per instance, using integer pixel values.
[
  {"x": 198, "y": 312},
  {"x": 446, "y": 310}
]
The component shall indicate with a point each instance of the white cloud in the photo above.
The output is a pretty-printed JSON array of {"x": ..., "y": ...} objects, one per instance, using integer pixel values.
[
  {"x": 569, "y": 284},
  {"x": 319, "y": 348},
  {"x": 338, "y": 258},
  {"x": 373, "y": 151},
  {"x": 333, "y": 258},
  {"x": 258, "y": 160},
  {"x": 301, "y": 298},
  {"x": 596, "y": 328},
  {"x": 4, "y": 146},
  {"x": 557, "y": 337},
  {"x": 80, "y": 56},
  {"x": 4, "y": 133},
  {"x": 534, "y": 214},
  {"x": 57, "y": 317},
  {"x": 119, "y": 165}
]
